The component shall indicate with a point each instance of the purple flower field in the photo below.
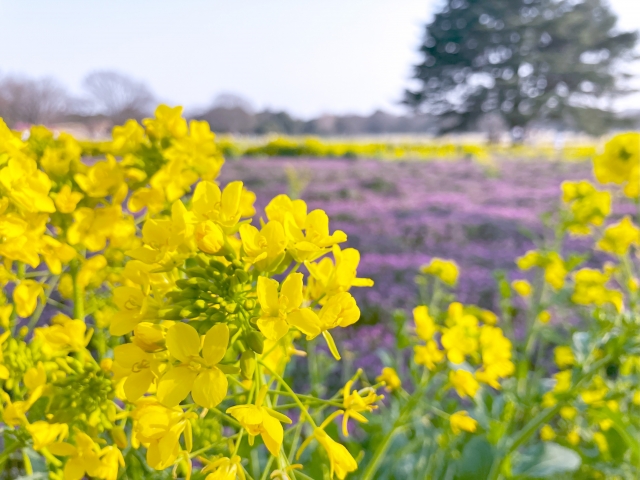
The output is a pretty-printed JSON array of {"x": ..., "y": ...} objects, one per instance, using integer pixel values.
[{"x": 401, "y": 214}]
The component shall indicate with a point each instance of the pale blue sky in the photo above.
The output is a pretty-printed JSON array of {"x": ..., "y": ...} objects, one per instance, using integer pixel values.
[{"x": 307, "y": 56}]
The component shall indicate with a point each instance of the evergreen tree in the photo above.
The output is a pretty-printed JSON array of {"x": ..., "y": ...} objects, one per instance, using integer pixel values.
[{"x": 554, "y": 60}]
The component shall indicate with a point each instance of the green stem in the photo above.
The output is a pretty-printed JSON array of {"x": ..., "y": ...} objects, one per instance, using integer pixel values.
[
  {"x": 78, "y": 291},
  {"x": 397, "y": 427},
  {"x": 51, "y": 284}
]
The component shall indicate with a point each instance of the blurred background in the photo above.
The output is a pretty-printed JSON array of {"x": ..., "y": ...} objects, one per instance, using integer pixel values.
[
  {"x": 445, "y": 82},
  {"x": 360, "y": 67}
]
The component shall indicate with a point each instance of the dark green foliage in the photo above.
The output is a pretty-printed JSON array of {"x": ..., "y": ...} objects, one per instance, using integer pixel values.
[{"x": 551, "y": 60}]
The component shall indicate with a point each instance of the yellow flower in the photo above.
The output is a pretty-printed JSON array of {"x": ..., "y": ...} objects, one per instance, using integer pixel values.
[
  {"x": 544, "y": 316},
  {"x": 56, "y": 253},
  {"x": 446, "y": 270},
  {"x": 496, "y": 356},
  {"x": 563, "y": 381},
  {"x": 127, "y": 137},
  {"x": 44, "y": 433},
  {"x": 573, "y": 437},
  {"x": 281, "y": 205},
  {"x": 221, "y": 207},
  {"x": 461, "y": 339},
  {"x": 428, "y": 355},
  {"x": 159, "y": 428},
  {"x": 280, "y": 310},
  {"x": 263, "y": 421},
  {"x": 523, "y": 287},
  {"x": 355, "y": 403},
  {"x": 547, "y": 434},
  {"x": 63, "y": 335},
  {"x": 93, "y": 227},
  {"x": 588, "y": 206},
  {"x": 464, "y": 383},
  {"x": 83, "y": 457},
  {"x": 619, "y": 161},
  {"x": 263, "y": 248},
  {"x": 225, "y": 469},
  {"x": 151, "y": 198},
  {"x": 563, "y": 356},
  {"x": 340, "y": 310},
  {"x": 461, "y": 421},
  {"x": 26, "y": 186},
  {"x": 601, "y": 441},
  {"x": 139, "y": 366},
  {"x": 25, "y": 297},
  {"x": 590, "y": 289},
  {"x": 327, "y": 278},
  {"x": 425, "y": 325},
  {"x": 390, "y": 378},
  {"x": 102, "y": 179},
  {"x": 315, "y": 241},
  {"x": 67, "y": 200},
  {"x": 340, "y": 460},
  {"x": 551, "y": 262},
  {"x": 196, "y": 374},
  {"x": 568, "y": 413},
  {"x": 596, "y": 393},
  {"x": 619, "y": 237},
  {"x": 168, "y": 122}
]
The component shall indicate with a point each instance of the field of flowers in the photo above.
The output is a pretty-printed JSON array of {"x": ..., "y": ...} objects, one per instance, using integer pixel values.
[{"x": 167, "y": 315}]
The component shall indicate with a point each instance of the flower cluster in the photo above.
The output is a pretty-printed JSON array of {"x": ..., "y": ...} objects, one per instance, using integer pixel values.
[{"x": 143, "y": 313}]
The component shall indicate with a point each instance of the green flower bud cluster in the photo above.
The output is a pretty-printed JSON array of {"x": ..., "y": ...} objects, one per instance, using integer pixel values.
[
  {"x": 213, "y": 292},
  {"x": 18, "y": 357},
  {"x": 207, "y": 432},
  {"x": 84, "y": 394}
]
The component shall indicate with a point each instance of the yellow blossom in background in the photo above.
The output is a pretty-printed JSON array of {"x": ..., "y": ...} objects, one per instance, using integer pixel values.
[
  {"x": 66, "y": 199},
  {"x": 355, "y": 403},
  {"x": 563, "y": 356},
  {"x": 590, "y": 289},
  {"x": 554, "y": 268},
  {"x": 26, "y": 295},
  {"x": 428, "y": 355},
  {"x": 391, "y": 379},
  {"x": 461, "y": 421},
  {"x": 446, "y": 270},
  {"x": 547, "y": 434},
  {"x": 523, "y": 287},
  {"x": 619, "y": 237},
  {"x": 619, "y": 162},
  {"x": 425, "y": 325},
  {"x": 588, "y": 206},
  {"x": 464, "y": 383}
]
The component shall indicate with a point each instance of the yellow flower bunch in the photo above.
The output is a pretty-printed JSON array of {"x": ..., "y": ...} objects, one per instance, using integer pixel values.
[
  {"x": 143, "y": 313},
  {"x": 588, "y": 206},
  {"x": 620, "y": 163}
]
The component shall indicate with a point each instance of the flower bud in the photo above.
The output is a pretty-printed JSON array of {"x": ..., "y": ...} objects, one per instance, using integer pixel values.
[
  {"x": 255, "y": 341},
  {"x": 247, "y": 364}
]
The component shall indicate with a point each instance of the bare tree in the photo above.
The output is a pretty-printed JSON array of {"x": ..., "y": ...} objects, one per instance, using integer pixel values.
[
  {"x": 32, "y": 101},
  {"x": 118, "y": 96}
]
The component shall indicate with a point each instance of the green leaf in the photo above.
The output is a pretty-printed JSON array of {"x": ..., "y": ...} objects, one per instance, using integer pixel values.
[
  {"x": 581, "y": 346},
  {"x": 476, "y": 460},
  {"x": 545, "y": 460}
]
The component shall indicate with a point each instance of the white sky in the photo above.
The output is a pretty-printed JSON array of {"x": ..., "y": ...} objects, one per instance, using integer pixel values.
[{"x": 306, "y": 56}]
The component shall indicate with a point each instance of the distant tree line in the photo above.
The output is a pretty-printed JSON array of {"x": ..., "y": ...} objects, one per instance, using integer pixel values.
[{"x": 113, "y": 98}]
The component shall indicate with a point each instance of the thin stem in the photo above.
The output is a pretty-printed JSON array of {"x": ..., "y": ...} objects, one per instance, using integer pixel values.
[
  {"x": 78, "y": 291},
  {"x": 293, "y": 394}
]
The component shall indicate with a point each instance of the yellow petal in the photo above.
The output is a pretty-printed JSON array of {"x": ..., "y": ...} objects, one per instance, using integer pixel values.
[
  {"x": 137, "y": 384},
  {"x": 215, "y": 344},
  {"x": 210, "y": 388},
  {"x": 272, "y": 434},
  {"x": 305, "y": 320},
  {"x": 268, "y": 295},
  {"x": 175, "y": 385},
  {"x": 183, "y": 341},
  {"x": 274, "y": 328},
  {"x": 292, "y": 289}
]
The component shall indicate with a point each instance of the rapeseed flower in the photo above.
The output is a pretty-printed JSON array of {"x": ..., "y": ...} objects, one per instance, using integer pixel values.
[
  {"x": 196, "y": 373},
  {"x": 461, "y": 421}
]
